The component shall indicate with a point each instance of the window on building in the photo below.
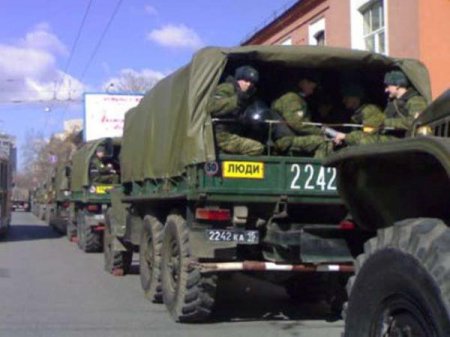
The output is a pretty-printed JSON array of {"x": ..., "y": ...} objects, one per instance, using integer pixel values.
[
  {"x": 316, "y": 33},
  {"x": 320, "y": 38},
  {"x": 374, "y": 26},
  {"x": 287, "y": 42}
]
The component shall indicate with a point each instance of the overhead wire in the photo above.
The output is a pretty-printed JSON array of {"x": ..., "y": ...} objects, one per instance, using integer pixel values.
[
  {"x": 69, "y": 60},
  {"x": 102, "y": 37},
  {"x": 75, "y": 43},
  {"x": 97, "y": 47}
]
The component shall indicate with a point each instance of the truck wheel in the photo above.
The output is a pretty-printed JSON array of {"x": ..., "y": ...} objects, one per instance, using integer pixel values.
[
  {"x": 80, "y": 230},
  {"x": 88, "y": 240},
  {"x": 150, "y": 258},
  {"x": 402, "y": 283},
  {"x": 116, "y": 263},
  {"x": 188, "y": 295}
]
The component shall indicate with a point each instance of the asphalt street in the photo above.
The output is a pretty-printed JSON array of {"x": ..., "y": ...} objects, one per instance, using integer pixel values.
[{"x": 49, "y": 288}]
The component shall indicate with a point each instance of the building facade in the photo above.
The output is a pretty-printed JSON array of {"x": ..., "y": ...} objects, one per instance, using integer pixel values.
[{"x": 399, "y": 28}]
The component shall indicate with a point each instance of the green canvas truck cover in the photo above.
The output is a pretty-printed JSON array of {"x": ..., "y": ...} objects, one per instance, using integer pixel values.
[
  {"x": 61, "y": 182},
  {"x": 80, "y": 162},
  {"x": 170, "y": 127}
]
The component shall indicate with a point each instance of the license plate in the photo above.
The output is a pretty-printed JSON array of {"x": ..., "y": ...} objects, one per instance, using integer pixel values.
[
  {"x": 243, "y": 169},
  {"x": 102, "y": 189},
  {"x": 242, "y": 237}
]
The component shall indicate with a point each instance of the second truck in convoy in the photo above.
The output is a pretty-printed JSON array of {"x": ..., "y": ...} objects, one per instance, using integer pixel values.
[{"x": 90, "y": 196}]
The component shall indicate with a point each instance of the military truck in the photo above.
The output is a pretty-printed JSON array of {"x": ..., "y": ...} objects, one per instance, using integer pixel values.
[
  {"x": 5, "y": 196},
  {"x": 59, "y": 205},
  {"x": 39, "y": 201},
  {"x": 399, "y": 192},
  {"x": 89, "y": 196},
  {"x": 20, "y": 199},
  {"x": 196, "y": 213}
]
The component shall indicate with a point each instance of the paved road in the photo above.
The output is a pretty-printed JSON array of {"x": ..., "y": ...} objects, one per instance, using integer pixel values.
[{"x": 48, "y": 287}]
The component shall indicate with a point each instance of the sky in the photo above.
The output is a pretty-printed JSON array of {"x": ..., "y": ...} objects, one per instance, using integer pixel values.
[{"x": 52, "y": 51}]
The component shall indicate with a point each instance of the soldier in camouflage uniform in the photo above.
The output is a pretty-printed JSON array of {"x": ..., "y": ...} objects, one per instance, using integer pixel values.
[
  {"x": 369, "y": 115},
  {"x": 229, "y": 101},
  {"x": 294, "y": 135},
  {"x": 405, "y": 104},
  {"x": 101, "y": 170}
]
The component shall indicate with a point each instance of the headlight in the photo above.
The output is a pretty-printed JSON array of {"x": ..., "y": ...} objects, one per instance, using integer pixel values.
[
  {"x": 424, "y": 131},
  {"x": 67, "y": 193},
  {"x": 92, "y": 189}
]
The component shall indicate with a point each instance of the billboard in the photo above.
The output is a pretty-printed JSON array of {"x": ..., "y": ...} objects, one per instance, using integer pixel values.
[{"x": 104, "y": 114}]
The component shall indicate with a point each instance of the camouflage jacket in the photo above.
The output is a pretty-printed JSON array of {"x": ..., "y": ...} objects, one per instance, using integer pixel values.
[
  {"x": 294, "y": 110},
  {"x": 101, "y": 172},
  {"x": 225, "y": 103},
  {"x": 371, "y": 117},
  {"x": 401, "y": 112}
]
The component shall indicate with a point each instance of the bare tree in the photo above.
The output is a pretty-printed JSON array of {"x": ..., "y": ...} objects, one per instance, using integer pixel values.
[
  {"x": 132, "y": 81},
  {"x": 42, "y": 156}
]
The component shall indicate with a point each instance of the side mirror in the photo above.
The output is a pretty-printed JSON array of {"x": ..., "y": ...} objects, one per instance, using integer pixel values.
[{"x": 67, "y": 171}]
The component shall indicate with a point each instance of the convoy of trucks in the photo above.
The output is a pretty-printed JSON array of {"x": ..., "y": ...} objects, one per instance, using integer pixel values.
[{"x": 371, "y": 219}]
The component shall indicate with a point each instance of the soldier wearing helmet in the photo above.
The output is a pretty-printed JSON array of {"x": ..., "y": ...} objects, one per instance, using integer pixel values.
[
  {"x": 405, "y": 104},
  {"x": 292, "y": 109},
  {"x": 229, "y": 101}
]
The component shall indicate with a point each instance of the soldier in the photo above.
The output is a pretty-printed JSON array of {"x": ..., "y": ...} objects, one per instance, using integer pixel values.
[
  {"x": 405, "y": 104},
  {"x": 102, "y": 170},
  {"x": 293, "y": 110},
  {"x": 229, "y": 101},
  {"x": 369, "y": 115}
]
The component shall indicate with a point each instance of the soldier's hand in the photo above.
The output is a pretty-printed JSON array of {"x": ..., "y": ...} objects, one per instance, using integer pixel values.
[{"x": 340, "y": 137}]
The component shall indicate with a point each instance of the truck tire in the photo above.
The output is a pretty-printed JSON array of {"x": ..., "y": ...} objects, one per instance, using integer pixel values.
[
  {"x": 88, "y": 240},
  {"x": 402, "y": 282},
  {"x": 116, "y": 263},
  {"x": 150, "y": 258},
  {"x": 188, "y": 295}
]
